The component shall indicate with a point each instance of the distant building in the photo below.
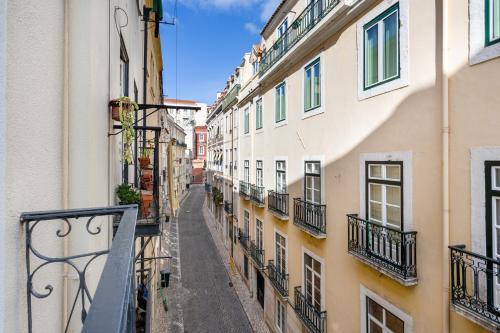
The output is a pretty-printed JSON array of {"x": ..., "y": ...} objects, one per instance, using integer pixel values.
[{"x": 200, "y": 153}]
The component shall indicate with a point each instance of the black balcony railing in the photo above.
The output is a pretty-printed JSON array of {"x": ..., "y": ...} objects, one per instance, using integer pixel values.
[
  {"x": 278, "y": 279},
  {"x": 228, "y": 207},
  {"x": 112, "y": 307},
  {"x": 310, "y": 216},
  {"x": 386, "y": 248},
  {"x": 313, "y": 318},
  {"x": 306, "y": 20},
  {"x": 277, "y": 202},
  {"x": 208, "y": 188},
  {"x": 257, "y": 254},
  {"x": 244, "y": 239},
  {"x": 257, "y": 194},
  {"x": 474, "y": 280},
  {"x": 244, "y": 189}
]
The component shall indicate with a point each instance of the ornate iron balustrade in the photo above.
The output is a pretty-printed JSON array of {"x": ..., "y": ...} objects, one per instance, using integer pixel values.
[
  {"x": 278, "y": 279},
  {"x": 112, "y": 307},
  {"x": 310, "y": 216},
  {"x": 243, "y": 238},
  {"x": 244, "y": 189},
  {"x": 473, "y": 285},
  {"x": 228, "y": 207},
  {"x": 314, "y": 319},
  {"x": 387, "y": 249},
  {"x": 257, "y": 254},
  {"x": 307, "y": 20},
  {"x": 208, "y": 188},
  {"x": 231, "y": 96},
  {"x": 277, "y": 202},
  {"x": 257, "y": 194}
]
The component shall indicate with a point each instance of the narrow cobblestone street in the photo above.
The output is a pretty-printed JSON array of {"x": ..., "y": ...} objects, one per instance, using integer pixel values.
[{"x": 201, "y": 298}]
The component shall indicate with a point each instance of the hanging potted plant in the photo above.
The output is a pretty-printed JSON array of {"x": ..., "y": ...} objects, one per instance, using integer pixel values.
[
  {"x": 127, "y": 195},
  {"x": 122, "y": 110},
  {"x": 144, "y": 160}
]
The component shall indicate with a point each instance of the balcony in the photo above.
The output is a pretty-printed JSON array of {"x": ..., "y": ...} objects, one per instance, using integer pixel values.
[
  {"x": 112, "y": 308},
  {"x": 388, "y": 250},
  {"x": 208, "y": 188},
  {"x": 245, "y": 190},
  {"x": 473, "y": 287},
  {"x": 311, "y": 317},
  {"x": 257, "y": 254},
  {"x": 277, "y": 204},
  {"x": 231, "y": 97},
  {"x": 278, "y": 279},
  {"x": 244, "y": 239},
  {"x": 310, "y": 217},
  {"x": 306, "y": 21},
  {"x": 257, "y": 195},
  {"x": 228, "y": 207}
]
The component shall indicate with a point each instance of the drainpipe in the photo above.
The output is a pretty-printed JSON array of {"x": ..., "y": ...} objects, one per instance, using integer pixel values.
[{"x": 445, "y": 175}]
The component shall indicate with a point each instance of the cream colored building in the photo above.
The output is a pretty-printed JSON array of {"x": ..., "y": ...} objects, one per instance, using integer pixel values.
[
  {"x": 61, "y": 62},
  {"x": 367, "y": 145}
]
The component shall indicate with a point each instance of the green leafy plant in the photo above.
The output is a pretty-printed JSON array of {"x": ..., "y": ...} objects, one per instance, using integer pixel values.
[
  {"x": 146, "y": 152},
  {"x": 127, "y": 195},
  {"x": 127, "y": 107},
  {"x": 217, "y": 195}
]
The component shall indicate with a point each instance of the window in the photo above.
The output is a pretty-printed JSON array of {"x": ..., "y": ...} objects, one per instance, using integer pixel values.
[
  {"x": 281, "y": 177},
  {"x": 282, "y": 37},
  {"x": 245, "y": 266},
  {"x": 312, "y": 184},
  {"x": 379, "y": 319},
  {"x": 492, "y": 21},
  {"x": 259, "y": 181},
  {"x": 246, "y": 223},
  {"x": 384, "y": 193},
  {"x": 492, "y": 183},
  {"x": 312, "y": 86},
  {"x": 255, "y": 67},
  {"x": 258, "y": 234},
  {"x": 381, "y": 48},
  {"x": 312, "y": 281},
  {"x": 280, "y": 253},
  {"x": 280, "y": 113},
  {"x": 258, "y": 114},
  {"x": 246, "y": 120},
  {"x": 280, "y": 316},
  {"x": 246, "y": 171},
  {"x": 201, "y": 150},
  {"x": 201, "y": 137},
  {"x": 282, "y": 28},
  {"x": 124, "y": 69}
]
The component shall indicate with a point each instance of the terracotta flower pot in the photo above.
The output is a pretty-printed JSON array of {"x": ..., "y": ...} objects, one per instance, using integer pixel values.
[
  {"x": 146, "y": 200},
  {"x": 144, "y": 162},
  {"x": 115, "y": 109}
]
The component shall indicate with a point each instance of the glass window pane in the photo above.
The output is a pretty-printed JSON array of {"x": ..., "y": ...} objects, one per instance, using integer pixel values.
[
  {"x": 497, "y": 174},
  {"x": 371, "y": 56},
  {"x": 375, "y": 211},
  {"x": 498, "y": 241},
  {"x": 317, "y": 86},
  {"x": 495, "y": 19},
  {"x": 393, "y": 323},
  {"x": 394, "y": 216},
  {"x": 307, "y": 87},
  {"x": 375, "y": 171},
  {"x": 393, "y": 172},
  {"x": 375, "y": 309},
  {"x": 496, "y": 207},
  {"x": 376, "y": 192},
  {"x": 391, "y": 45},
  {"x": 393, "y": 195},
  {"x": 374, "y": 327},
  {"x": 317, "y": 267}
]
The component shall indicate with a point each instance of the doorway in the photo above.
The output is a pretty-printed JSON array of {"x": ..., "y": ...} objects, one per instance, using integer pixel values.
[{"x": 260, "y": 288}]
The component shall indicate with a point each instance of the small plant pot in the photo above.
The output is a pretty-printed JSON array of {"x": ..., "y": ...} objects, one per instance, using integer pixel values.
[
  {"x": 146, "y": 200},
  {"x": 144, "y": 162},
  {"x": 115, "y": 109}
]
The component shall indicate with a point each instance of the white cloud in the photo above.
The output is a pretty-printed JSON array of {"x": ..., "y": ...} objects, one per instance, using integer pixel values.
[
  {"x": 252, "y": 28},
  {"x": 268, "y": 8}
]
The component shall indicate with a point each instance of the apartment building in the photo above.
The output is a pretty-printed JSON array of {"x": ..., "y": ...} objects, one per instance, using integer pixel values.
[
  {"x": 199, "y": 154},
  {"x": 367, "y": 146}
]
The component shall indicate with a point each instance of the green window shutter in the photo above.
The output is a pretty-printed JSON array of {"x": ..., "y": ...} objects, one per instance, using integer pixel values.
[
  {"x": 391, "y": 46},
  {"x": 371, "y": 56}
]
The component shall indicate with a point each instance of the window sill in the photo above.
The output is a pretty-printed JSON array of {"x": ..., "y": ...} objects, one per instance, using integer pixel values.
[
  {"x": 281, "y": 123},
  {"x": 312, "y": 112},
  {"x": 260, "y": 130}
]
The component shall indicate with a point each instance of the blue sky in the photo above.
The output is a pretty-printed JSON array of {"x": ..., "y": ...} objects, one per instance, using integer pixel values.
[{"x": 213, "y": 35}]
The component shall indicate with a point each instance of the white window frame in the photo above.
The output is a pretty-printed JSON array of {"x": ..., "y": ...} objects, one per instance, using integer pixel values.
[
  {"x": 284, "y": 121},
  {"x": 246, "y": 121},
  {"x": 478, "y": 50},
  {"x": 260, "y": 101},
  {"x": 278, "y": 232},
  {"x": 201, "y": 150},
  {"x": 365, "y": 292},
  {"x": 320, "y": 109},
  {"x": 259, "y": 236},
  {"x": 277, "y": 322},
  {"x": 404, "y": 54},
  {"x": 281, "y": 171},
  {"x": 261, "y": 161},
  {"x": 322, "y": 276},
  {"x": 246, "y": 222}
]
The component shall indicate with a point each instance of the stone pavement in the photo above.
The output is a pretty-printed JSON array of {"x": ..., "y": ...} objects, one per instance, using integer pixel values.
[
  {"x": 200, "y": 297},
  {"x": 251, "y": 306}
]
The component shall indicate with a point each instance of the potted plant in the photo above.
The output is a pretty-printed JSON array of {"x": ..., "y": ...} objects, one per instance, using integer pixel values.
[
  {"x": 146, "y": 200},
  {"x": 296, "y": 23},
  {"x": 144, "y": 159},
  {"x": 122, "y": 110},
  {"x": 127, "y": 195}
]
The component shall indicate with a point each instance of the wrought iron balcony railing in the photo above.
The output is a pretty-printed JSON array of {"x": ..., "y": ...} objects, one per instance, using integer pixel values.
[
  {"x": 257, "y": 254},
  {"x": 313, "y": 318},
  {"x": 244, "y": 239},
  {"x": 112, "y": 307},
  {"x": 306, "y": 20},
  {"x": 231, "y": 96},
  {"x": 228, "y": 207},
  {"x": 474, "y": 286},
  {"x": 278, "y": 203},
  {"x": 257, "y": 194},
  {"x": 244, "y": 189},
  {"x": 389, "y": 250},
  {"x": 310, "y": 217},
  {"x": 278, "y": 279},
  {"x": 208, "y": 188}
]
